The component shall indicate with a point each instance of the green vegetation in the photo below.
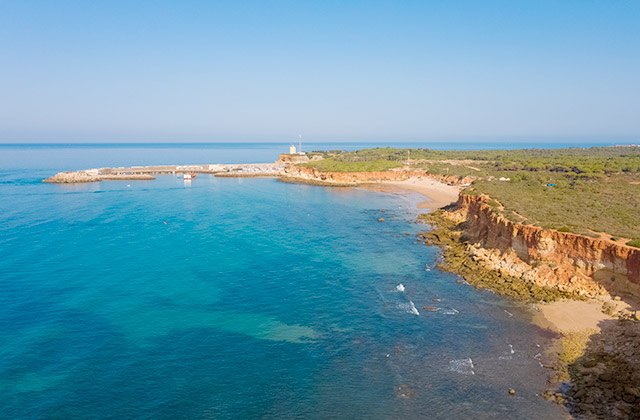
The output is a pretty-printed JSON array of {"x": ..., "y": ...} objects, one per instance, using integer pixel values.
[
  {"x": 332, "y": 165},
  {"x": 608, "y": 204},
  {"x": 572, "y": 347},
  {"x": 580, "y": 162},
  {"x": 585, "y": 191},
  {"x": 635, "y": 243}
]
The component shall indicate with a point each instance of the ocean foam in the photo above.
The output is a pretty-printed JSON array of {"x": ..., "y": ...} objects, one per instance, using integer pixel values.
[
  {"x": 400, "y": 287},
  {"x": 409, "y": 307},
  {"x": 449, "y": 311},
  {"x": 463, "y": 366},
  {"x": 510, "y": 356}
]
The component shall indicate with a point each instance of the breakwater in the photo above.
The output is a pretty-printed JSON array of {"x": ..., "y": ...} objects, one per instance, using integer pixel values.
[{"x": 149, "y": 172}]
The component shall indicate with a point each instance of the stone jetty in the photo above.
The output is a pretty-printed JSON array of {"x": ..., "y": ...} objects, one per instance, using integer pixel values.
[{"x": 144, "y": 173}]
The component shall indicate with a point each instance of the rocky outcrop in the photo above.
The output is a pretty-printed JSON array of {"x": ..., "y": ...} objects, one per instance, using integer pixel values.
[
  {"x": 548, "y": 258},
  {"x": 314, "y": 176},
  {"x": 605, "y": 381}
]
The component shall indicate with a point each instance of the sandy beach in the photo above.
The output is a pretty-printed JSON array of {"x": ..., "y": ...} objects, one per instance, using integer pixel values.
[
  {"x": 437, "y": 193},
  {"x": 570, "y": 316}
]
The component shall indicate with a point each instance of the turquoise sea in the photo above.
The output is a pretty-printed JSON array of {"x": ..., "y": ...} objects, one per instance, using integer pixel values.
[{"x": 240, "y": 298}]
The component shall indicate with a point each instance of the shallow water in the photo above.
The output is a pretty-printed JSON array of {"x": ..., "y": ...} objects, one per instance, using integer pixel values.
[{"x": 244, "y": 298}]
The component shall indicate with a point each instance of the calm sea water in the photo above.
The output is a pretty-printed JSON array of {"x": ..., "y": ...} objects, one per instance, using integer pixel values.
[{"x": 239, "y": 298}]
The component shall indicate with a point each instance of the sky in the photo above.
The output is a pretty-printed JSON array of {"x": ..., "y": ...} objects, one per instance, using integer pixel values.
[{"x": 477, "y": 70}]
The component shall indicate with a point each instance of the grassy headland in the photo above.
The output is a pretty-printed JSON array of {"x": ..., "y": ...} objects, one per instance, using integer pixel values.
[{"x": 581, "y": 190}]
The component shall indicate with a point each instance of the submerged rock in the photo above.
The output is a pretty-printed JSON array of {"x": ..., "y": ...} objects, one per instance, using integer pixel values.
[{"x": 405, "y": 391}]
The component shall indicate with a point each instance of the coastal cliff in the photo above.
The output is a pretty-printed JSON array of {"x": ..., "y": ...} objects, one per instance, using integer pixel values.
[
  {"x": 567, "y": 262},
  {"x": 597, "y": 370},
  {"x": 297, "y": 173}
]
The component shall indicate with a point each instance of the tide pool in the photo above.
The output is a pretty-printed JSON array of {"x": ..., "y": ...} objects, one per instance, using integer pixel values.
[{"x": 245, "y": 298}]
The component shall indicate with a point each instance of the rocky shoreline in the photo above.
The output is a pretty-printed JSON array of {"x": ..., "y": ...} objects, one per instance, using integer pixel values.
[
  {"x": 458, "y": 259},
  {"x": 597, "y": 369},
  {"x": 605, "y": 381}
]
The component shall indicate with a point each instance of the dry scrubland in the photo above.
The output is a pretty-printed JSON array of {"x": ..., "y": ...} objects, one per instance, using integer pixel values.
[{"x": 595, "y": 190}]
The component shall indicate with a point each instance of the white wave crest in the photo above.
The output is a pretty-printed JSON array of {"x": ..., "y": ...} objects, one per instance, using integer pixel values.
[
  {"x": 463, "y": 366},
  {"x": 409, "y": 307},
  {"x": 400, "y": 287}
]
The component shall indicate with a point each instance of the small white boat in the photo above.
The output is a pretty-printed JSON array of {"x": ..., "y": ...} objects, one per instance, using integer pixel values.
[{"x": 188, "y": 177}]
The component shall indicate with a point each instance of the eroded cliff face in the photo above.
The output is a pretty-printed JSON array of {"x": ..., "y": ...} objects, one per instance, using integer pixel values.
[
  {"x": 313, "y": 175},
  {"x": 564, "y": 261}
]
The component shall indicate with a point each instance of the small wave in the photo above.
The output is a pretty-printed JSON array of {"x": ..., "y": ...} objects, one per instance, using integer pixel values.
[
  {"x": 400, "y": 287},
  {"x": 409, "y": 307},
  {"x": 463, "y": 366},
  {"x": 449, "y": 311},
  {"x": 414, "y": 310},
  {"x": 510, "y": 356}
]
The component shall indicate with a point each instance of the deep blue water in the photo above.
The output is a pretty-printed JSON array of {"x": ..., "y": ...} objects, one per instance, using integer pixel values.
[{"x": 239, "y": 298}]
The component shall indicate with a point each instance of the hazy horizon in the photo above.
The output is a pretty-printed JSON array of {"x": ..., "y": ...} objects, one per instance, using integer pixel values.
[
  {"x": 532, "y": 143},
  {"x": 374, "y": 72}
]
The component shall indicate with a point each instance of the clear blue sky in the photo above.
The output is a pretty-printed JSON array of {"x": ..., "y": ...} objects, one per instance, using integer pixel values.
[{"x": 331, "y": 70}]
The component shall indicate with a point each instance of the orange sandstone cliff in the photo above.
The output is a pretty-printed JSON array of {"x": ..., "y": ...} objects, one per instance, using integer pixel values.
[
  {"x": 303, "y": 173},
  {"x": 568, "y": 262}
]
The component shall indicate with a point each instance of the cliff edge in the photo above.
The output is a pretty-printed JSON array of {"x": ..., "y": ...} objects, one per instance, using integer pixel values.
[{"x": 568, "y": 262}]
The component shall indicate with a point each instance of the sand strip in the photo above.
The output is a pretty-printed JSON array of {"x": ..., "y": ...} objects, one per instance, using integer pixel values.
[
  {"x": 437, "y": 193},
  {"x": 570, "y": 316}
]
